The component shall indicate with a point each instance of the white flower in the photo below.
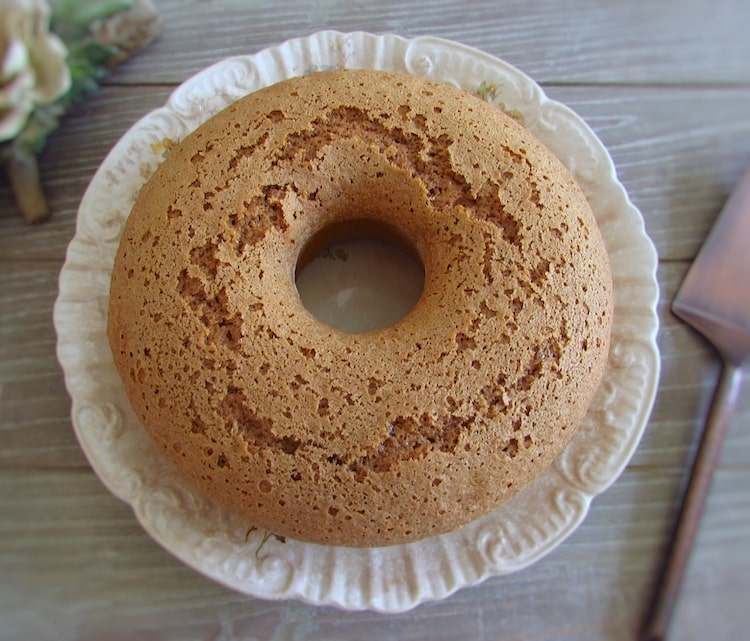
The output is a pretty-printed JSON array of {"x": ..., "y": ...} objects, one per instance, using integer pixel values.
[
  {"x": 32, "y": 63},
  {"x": 129, "y": 30}
]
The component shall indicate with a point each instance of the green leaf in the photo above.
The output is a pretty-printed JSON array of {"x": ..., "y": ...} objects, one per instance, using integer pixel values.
[
  {"x": 42, "y": 121},
  {"x": 84, "y": 12},
  {"x": 72, "y": 19},
  {"x": 88, "y": 67}
]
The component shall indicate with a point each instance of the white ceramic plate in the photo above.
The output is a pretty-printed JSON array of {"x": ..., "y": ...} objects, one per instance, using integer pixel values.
[{"x": 395, "y": 578}]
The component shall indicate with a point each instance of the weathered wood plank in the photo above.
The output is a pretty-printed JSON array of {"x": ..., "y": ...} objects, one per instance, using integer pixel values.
[
  {"x": 666, "y": 86},
  {"x": 67, "y": 165},
  {"x": 677, "y": 151},
  {"x": 34, "y": 407},
  {"x": 71, "y": 551},
  {"x": 690, "y": 370},
  {"x": 717, "y": 583},
  {"x": 583, "y": 41},
  {"x": 35, "y": 425}
]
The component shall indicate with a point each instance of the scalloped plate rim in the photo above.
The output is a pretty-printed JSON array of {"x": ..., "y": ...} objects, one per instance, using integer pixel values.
[{"x": 649, "y": 340}]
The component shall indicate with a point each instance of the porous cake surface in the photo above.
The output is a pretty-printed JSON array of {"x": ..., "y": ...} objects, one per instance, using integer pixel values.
[{"x": 380, "y": 437}]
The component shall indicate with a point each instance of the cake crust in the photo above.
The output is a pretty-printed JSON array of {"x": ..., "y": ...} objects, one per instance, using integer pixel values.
[{"x": 380, "y": 437}]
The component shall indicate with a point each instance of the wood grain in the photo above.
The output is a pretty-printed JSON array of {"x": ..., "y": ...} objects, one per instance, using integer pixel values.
[
  {"x": 34, "y": 408},
  {"x": 667, "y": 88},
  {"x": 575, "y": 42},
  {"x": 677, "y": 151},
  {"x": 68, "y": 163},
  {"x": 67, "y": 543}
]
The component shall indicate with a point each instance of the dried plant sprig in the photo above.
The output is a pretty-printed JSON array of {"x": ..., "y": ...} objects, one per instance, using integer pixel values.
[{"x": 91, "y": 37}]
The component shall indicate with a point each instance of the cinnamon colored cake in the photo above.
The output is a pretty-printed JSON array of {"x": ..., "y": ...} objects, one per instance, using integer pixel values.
[{"x": 374, "y": 438}]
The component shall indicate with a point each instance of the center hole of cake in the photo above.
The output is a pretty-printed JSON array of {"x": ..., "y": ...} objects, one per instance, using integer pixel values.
[{"x": 359, "y": 275}]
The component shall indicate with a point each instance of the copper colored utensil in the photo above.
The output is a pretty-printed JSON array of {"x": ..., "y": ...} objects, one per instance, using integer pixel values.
[{"x": 715, "y": 299}]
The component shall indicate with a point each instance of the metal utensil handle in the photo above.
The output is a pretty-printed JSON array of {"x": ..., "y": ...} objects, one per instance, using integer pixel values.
[{"x": 693, "y": 502}]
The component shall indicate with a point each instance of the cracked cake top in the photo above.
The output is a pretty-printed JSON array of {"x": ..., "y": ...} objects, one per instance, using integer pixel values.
[{"x": 379, "y": 437}]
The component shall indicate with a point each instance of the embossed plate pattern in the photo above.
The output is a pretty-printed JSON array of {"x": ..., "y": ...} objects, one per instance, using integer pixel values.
[{"x": 396, "y": 578}]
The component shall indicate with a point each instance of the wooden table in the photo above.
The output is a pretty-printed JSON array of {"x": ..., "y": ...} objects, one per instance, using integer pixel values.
[{"x": 666, "y": 85}]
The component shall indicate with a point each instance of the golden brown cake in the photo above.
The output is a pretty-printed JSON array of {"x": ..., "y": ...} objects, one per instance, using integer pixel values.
[{"x": 371, "y": 438}]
